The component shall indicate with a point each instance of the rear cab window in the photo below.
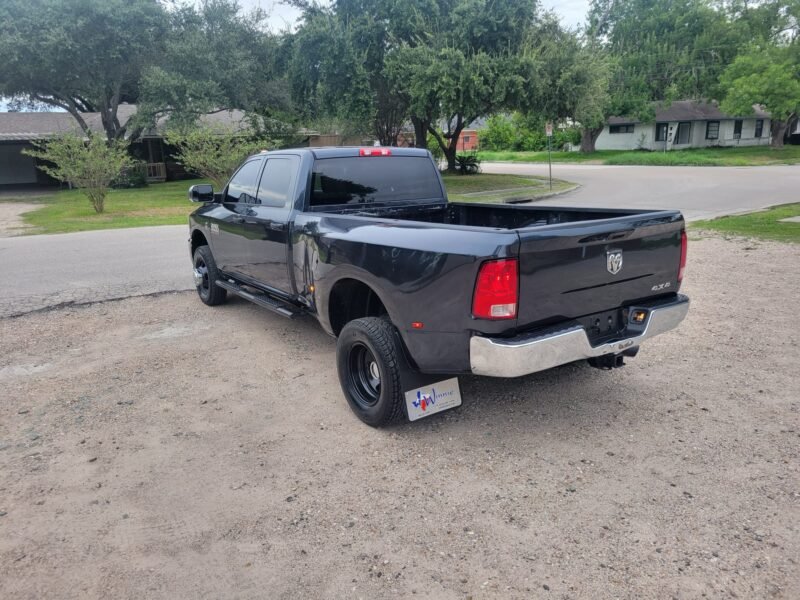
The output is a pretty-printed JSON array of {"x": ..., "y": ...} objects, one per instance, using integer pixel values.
[{"x": 368, "y": 180}]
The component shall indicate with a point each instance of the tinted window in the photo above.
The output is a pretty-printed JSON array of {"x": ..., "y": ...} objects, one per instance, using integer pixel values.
[
  {"x": 759, "y": 128},
  {"x": 361, "y": 179},
  {"x": 242, "y": 187},
  {"x": 737, "y": 129},
  {"x": 275, "y": 182},
  {"x": 621, "y": 128}
]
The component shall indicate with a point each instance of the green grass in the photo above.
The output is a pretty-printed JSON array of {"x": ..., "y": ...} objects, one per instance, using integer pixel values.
[
  {"x": 70, "y": 210},
  {"x": 700, "y": 157},
  {"x": 166, "y": 203},
  {"x": 763, "y": 224},
  {"x": 487, "y": 187},
  {"x": 537, "y": 157}
]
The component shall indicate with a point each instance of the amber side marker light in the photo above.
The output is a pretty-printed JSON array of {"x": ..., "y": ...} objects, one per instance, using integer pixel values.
[
  {"x": 417, "y": 325},
  {"x": 638, "y": 316}
]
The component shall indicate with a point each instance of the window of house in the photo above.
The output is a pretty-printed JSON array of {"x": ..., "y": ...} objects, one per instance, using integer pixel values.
[
  {"x": 466, "y": 139},
  {"x": 242, "y": 186},
  {"x": 759, "y": 128},
  {"x": 684, "y": 132},
  {"x": 621, "y": 128},
  {"x": 737, "y": 129},
  {"x": 661, "y": 132},
  {"x": 712, "y": 130}
]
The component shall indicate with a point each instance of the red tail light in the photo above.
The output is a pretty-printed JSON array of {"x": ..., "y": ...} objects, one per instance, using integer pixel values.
[
  {"x": 374, "y": 152},
  {"x": 684, "y": 247},
  {"x": 497, "y": 290}
]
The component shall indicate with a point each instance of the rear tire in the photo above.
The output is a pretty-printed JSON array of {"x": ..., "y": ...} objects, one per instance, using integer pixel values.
[
  {"x": 368, "y": 359},
  {"x": 208, "y": 290}
]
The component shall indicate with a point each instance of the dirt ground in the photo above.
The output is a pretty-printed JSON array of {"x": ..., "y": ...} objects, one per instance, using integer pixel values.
[
  {"x": 11, "y": 222},
  {"x": 157, "y": 448}
]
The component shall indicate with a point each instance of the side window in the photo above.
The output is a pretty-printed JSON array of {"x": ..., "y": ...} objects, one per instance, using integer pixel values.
[
  {"x": 276, "y": 181},
  {"x": 242, "y": 187}
]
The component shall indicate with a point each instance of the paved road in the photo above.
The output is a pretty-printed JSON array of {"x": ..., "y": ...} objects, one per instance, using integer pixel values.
[
  {"x": 43, "y": 271},
  {"x": 700, "y": 192},
  {"x": 46, "y": 270}
]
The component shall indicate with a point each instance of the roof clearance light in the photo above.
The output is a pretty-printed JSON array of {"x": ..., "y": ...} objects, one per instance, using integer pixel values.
[{"x": 375, "y": 152}]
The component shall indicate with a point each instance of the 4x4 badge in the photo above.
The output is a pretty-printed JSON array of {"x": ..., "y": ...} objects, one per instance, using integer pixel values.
[{"x": 614, "y": 261}]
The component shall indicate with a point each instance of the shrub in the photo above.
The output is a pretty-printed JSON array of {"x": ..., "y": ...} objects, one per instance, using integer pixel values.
[
  {"x": 498, "y": 134},
  {"x": 523, "y": 133},
  {"x": 132, "y": 176},
  {"x": 89, "y": 164},
  {"x": 468, "y": 164},
  {"x": 213, "y": 154}
]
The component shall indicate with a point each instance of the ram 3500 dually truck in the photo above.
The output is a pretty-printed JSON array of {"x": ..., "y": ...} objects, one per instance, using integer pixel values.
[{"x": 419, "y": 290}]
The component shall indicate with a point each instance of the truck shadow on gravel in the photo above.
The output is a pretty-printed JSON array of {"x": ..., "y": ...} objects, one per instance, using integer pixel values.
[{"x": 572, "y": 396}]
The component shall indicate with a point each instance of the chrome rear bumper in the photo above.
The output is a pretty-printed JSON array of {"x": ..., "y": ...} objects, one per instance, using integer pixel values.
[{"x": 496, "y": 357}]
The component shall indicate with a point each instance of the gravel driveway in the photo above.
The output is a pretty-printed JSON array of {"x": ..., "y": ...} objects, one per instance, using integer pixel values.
[{"x": 157, "y": 448}]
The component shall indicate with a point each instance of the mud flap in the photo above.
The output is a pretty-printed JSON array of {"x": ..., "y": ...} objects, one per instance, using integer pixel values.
[{"x": 425, "y": 394}]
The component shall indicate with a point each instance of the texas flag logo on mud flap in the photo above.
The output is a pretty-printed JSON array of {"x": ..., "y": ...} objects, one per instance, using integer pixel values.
[{"x": 426, "y": 401}]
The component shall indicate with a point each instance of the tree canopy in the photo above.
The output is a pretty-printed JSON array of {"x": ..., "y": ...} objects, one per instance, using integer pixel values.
[
  {"x": 81, "y": 56},
  {"x": 372, "y": 67},
  {"x": 767, "y": 76}
]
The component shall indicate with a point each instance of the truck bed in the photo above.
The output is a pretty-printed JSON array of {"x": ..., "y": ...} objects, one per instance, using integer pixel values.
[
  {"x": 563, "y": 253},
  {"x": 495, "y": 216}
]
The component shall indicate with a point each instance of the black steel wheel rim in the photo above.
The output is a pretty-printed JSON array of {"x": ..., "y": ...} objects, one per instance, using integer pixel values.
[
  {"x": 201, "y": 267},
  {"x": 364, "y": 375}
]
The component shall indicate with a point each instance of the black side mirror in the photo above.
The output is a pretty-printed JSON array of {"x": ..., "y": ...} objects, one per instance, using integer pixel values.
[{"x": 202, "y": 192}]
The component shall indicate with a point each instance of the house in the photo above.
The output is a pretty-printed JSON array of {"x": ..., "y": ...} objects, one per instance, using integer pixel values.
[
  {"x": 18, "y": 130},
  {"x": 686, "y": 124}
]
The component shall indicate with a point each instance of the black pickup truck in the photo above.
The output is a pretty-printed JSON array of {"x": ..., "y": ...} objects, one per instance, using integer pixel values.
[{"x": 419, "y": 290}]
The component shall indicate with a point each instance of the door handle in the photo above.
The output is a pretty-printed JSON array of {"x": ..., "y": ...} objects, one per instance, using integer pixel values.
[
  {"x": 238, "y": 220},
  {"x": 277, "y": 226}
]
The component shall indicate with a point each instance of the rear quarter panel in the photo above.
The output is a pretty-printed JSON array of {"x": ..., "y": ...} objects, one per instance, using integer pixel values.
[{"x": 422, "y": 272}]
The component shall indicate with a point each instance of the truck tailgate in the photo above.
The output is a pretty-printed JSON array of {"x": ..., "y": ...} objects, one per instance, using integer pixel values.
[{"x": 571, "y": 270}]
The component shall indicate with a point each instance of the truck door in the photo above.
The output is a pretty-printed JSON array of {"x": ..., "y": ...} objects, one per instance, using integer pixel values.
[
  {"x": 238, "y": 199},
  {"x": 267, "y": 225}
]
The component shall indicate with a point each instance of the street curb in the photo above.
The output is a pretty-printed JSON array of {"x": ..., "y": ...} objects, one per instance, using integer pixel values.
[{"x": 543, "y": 197}]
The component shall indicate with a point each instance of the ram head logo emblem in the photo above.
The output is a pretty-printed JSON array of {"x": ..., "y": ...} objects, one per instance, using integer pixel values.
[{"x": 614, "y": 261}]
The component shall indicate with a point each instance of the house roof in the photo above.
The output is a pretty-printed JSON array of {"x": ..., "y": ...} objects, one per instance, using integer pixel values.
[
  {"x": 689, "y": 110},
  {"x": 24, "y": 126}
]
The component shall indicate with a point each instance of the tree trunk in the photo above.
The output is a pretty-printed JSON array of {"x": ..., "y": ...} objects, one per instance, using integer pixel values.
[
  {"x": 778, "y": 130},
  {"x": 420, "y": 132},
  {"x": 589, "y": 137}
]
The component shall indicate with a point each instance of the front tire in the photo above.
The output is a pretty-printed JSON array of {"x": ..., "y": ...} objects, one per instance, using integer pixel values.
[
  {"x": 368, "y": 359},
  {"x": 206, "y": 275}
]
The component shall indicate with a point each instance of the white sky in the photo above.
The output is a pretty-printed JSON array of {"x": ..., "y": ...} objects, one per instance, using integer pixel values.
[{"x": 572, "y": 12}]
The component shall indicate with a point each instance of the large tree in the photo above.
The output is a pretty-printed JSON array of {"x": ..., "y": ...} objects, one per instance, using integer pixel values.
[
  {"x": 768, "y": 76},
  {"x": 471, "y": 68},
  {"x": 339, "y": 57},
  {"x": 217, "y": 57},
  {"x": 79, "y": 55},
  {"x": 670, "y": 48}
]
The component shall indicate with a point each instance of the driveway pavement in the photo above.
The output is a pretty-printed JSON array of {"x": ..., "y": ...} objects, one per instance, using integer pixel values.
[
  {"x": 700, "y": 192},
  {"x": 44, "y": 271}
]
